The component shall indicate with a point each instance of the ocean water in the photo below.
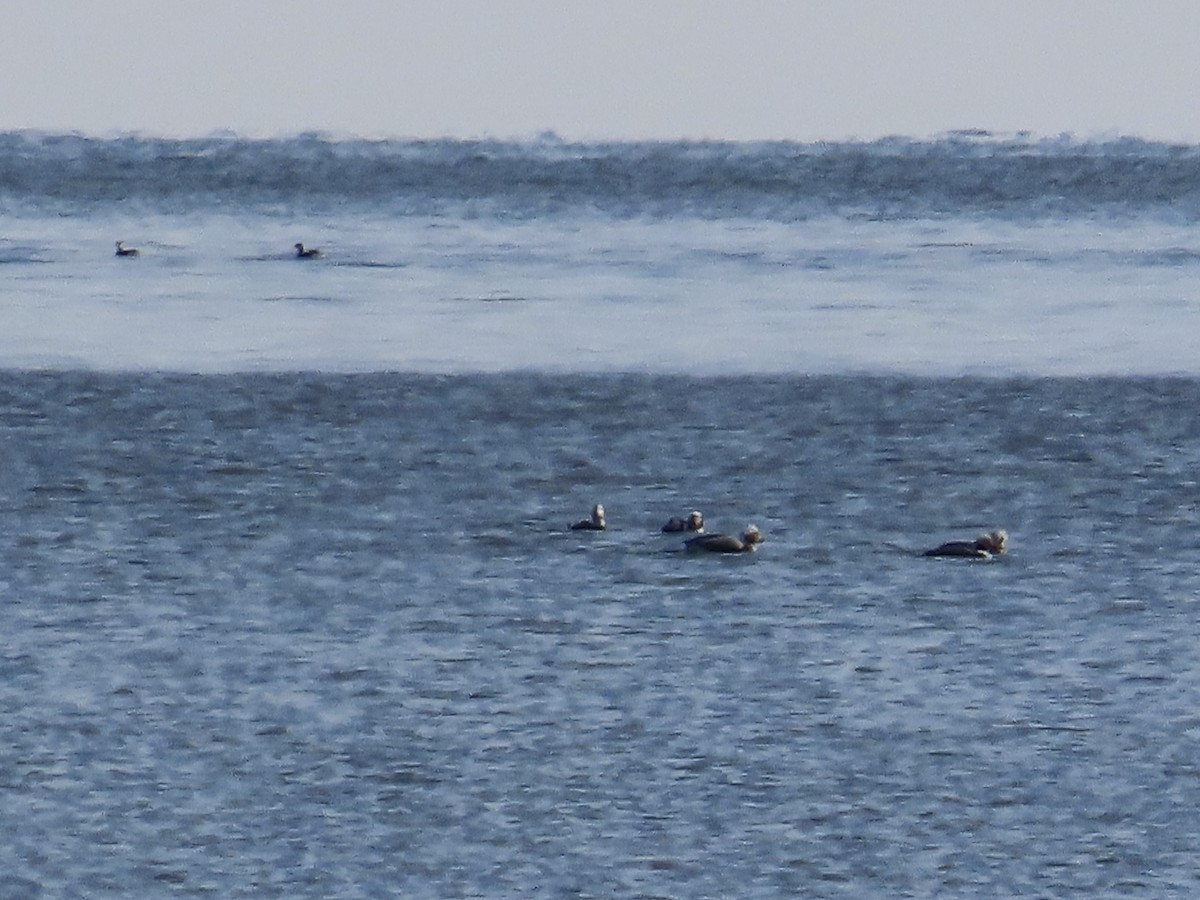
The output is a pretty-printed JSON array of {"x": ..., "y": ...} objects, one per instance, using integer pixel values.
[
  {"x": 292, "y": 607},
  {"x": 972, "y": 255}
]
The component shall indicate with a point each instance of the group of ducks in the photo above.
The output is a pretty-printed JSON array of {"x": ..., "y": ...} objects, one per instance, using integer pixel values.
[
  {"x": 694, "y": 523},
  {"x": 983, "y": 547},
  {"x": 302, "y": 252}
]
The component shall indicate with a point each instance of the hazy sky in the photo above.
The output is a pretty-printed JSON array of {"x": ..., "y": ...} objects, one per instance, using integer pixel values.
[{"x": 736, "y": 69}]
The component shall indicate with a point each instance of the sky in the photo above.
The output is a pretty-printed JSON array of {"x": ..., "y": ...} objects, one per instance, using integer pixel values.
[{"x": 618, "y": 69}]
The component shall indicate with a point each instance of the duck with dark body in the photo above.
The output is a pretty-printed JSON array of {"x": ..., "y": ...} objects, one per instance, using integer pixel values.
[
  {"x": 694, "y": 522},
  {"x": 726, "y": 543},
  {"x": 983, "y": 547},
  {"x": 594, "y": 523}
]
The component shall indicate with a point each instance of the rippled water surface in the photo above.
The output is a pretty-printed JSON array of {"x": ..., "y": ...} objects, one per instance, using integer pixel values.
[
  {"x": 320, "y": 635},
  {"x": 291, "y": 605},
  {"x": 973, "y": 254}
]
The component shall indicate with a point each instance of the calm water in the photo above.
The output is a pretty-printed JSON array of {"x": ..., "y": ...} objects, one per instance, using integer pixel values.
[
  {"x": 292, "y": 609},
  {"x": 967, "y": 255}
]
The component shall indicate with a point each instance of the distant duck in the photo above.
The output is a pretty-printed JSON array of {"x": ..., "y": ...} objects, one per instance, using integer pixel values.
[
  {"x": 725, "y": 543},
  {"x": 694, "y": 522},
  {"x": 595, "y": 523},
  {"x": 983, "y": 547},
  {"x": 122, "y": 250},
  {"x": 303, "y": 252}
]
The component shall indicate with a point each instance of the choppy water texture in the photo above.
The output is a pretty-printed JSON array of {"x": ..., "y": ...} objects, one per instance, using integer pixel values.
[
  {"x": 292, "y": 609},
  {"x": 307, "y": 635}
]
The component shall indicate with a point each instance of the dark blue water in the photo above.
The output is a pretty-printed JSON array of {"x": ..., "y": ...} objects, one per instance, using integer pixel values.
[
  {"x": 274, "y": 630},
  {"x": 318, "y": 635},
  {"x": 977, "y": 173}
]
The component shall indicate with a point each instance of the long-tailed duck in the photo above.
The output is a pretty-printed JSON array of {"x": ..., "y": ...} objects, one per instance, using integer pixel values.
[
  {"x": 725, "y": 543},
  {"x": 694, "y": 522},
  {"x": 983, "y": 547},
  {"x": 595, "y": 523}
]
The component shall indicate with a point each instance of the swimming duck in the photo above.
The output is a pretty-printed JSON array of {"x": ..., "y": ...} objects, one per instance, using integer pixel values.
[
  {"x": 122, "y": 250},
  {"x": 725, "y": 543},
  {"x": 303, "y": 252},
  {"x": 694, "y": 522},
  {"x": 983, "y": 547},
  {"x": 595, "y": 523}
]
